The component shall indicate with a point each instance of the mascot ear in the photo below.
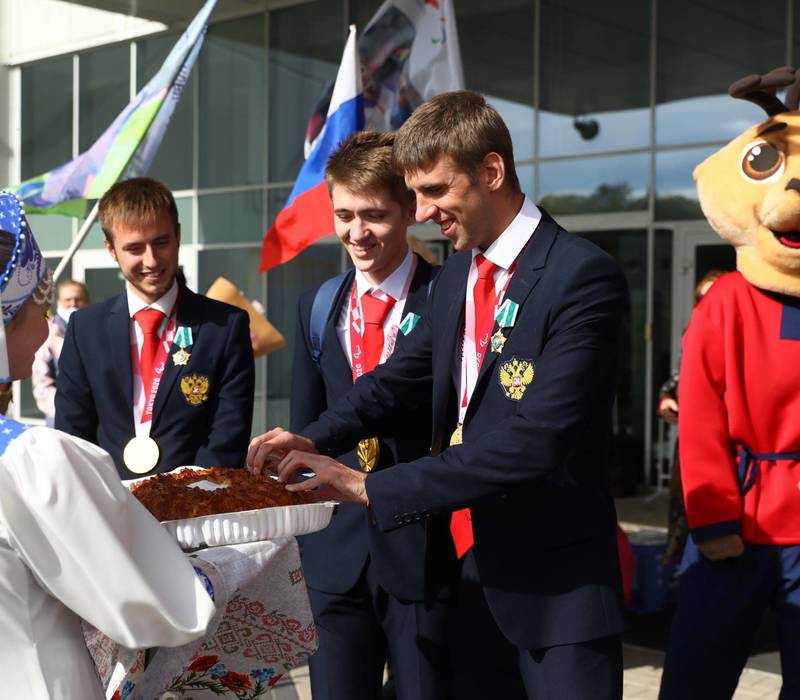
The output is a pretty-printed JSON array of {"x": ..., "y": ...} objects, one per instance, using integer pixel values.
[{"x": 762, "y": 89}]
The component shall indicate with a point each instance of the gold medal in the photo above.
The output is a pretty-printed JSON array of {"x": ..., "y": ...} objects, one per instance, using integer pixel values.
[
  {"x": 140, "y": 454},
  {"x": 181, "y": 357},
  {"x": 457, "y": 438},
  {"x": 368, "y": 451},
  {"x": 498, "y": 341}
]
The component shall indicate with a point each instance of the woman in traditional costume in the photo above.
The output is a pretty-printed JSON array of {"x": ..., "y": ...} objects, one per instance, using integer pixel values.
[{"x": 74, "y": 543}]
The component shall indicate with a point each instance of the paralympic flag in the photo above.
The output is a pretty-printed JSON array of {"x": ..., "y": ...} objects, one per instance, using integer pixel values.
[
  {"x": 127, "y": 148},
  {"x": 308, "y": 213},
  {"x": 409, "y": 53}
]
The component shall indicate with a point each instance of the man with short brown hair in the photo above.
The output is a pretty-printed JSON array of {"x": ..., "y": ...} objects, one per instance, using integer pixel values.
[
  {"x": 519, "y": 348},
  {"x": 158, "y": 376},
  {"x": 371, "y": 594}
]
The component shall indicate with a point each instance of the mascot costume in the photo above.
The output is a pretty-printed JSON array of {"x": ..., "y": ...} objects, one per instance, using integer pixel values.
[{"x": 739, "y": 420}]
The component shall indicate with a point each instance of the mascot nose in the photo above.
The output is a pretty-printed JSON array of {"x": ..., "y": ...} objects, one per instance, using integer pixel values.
[{"x": 793, "y": 184}]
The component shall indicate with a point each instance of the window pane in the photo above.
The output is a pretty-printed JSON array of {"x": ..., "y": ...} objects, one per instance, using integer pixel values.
[
  {"x": 676, "y": 195},
  {"x": 306, "y": 44},
  {"x": 186, "y": 219},
  {"x": 173, "y": 161},
  {"x": 617, "y": 183},
  {"x": 52, "y": 232},
  {"x": 104, "y": 90},
  {"x": 232, "y": 84},
  {"x": 46, "y": 116},
  {"x": 702, "y": 49},
  {"x": 229, "y": 218},
  {"x": 595, "y": 76},
  {"x": 496, "y": 42},
  {"x": 285, "y": 283}
]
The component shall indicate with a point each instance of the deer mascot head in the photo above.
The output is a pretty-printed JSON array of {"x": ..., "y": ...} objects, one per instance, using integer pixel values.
[{"x": 750, "y": 189}]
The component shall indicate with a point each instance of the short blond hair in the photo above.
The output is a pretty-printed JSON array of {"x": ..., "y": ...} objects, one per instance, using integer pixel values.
[
  {"x": 364, "y": 163},
  {"x": 136, "y": 201},
  {"x": 459, "y": 125}
]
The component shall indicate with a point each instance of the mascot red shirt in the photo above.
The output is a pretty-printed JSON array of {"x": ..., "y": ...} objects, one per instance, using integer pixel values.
[{"x": 740, "y": 373}]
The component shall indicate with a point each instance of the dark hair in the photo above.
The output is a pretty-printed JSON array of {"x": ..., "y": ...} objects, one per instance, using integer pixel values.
[
  {"x": 135, "y": 201},
  {"x": 363, "y": 163},
  {"x": 459, "y": 125}
]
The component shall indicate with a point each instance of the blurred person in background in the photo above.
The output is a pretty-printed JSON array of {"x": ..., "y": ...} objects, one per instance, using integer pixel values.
[{"x": 71, "y": 296}]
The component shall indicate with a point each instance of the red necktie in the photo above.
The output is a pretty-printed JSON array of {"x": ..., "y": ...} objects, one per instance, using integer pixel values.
[
  {"x": 149, "y": 320},
  {"x": 485, "y": 298},
  {"x": 375, "y": 312}
]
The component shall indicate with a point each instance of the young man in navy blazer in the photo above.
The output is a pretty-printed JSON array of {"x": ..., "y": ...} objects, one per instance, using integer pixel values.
[
  {"x": 158, "y": 376},
  {"x": 368, "y": 588},
  {"x": 519, "y": 349}
]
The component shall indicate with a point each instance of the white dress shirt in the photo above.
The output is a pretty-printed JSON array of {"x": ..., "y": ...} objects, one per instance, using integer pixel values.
[
  {"x": 503, "y": 253},
  {"x": 396, "y": 286},
  {"x": 165, "y": 305}
]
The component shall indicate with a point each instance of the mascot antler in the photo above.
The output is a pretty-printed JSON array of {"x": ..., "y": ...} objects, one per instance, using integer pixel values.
[{"x": 761, "y": 90}]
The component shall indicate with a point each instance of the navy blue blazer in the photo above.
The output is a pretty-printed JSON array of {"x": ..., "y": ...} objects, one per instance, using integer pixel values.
[
  {"x": 334, "y": 558},
  {"x": 95, "y": 385},
  {"x": 537, "y": 438}
]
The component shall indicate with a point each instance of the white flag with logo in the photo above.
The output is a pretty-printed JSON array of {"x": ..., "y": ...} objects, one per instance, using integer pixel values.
[{"x": 409, "y": 53}]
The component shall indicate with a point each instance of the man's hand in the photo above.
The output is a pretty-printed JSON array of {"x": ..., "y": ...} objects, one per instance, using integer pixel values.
[
  {"x": 332, "y": 481},
  {"x": 269, "y": 448},
  {"x": 722, "y": 547},
  {"x": 668, "y": 410}
]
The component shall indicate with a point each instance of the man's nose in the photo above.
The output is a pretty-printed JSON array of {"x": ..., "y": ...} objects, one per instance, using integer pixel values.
[
  {"x": 149, "y": 257},
  {"x": 358, "y": 231},
  {"x": 425, "y": 210}
]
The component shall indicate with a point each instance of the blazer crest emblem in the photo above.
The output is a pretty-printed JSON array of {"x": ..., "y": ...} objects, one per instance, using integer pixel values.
[
  {"x": 195, "y": 388},
  {"x": 515, "y": 376}
]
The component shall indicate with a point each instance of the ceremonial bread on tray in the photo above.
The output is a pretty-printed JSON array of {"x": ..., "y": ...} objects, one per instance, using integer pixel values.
[{"x": 192, "y": 493}]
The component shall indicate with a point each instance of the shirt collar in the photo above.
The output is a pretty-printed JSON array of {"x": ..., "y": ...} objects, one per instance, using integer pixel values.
[
  {"x": 509, "y": 244},
  {"x": 163, "y": 304},
  {"x": 394, "y": 285}
]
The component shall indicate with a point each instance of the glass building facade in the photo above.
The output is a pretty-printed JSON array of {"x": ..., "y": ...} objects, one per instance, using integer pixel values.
[{"x": 610, "y": 105}]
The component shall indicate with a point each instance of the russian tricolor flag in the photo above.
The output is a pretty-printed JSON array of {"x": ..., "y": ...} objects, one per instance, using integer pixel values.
[{"x": 308, "y": 214}]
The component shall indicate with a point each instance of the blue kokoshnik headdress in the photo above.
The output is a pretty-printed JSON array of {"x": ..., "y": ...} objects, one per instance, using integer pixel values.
[{"x": 25, "y": 274}]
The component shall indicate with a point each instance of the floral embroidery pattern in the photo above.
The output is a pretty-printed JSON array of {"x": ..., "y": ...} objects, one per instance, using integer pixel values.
[{"x": 207, "y": 673}]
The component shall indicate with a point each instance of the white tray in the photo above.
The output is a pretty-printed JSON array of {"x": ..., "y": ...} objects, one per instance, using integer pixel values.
[
  {"x": 247, "y": 525},
  {"x": 250, "y": 525}
]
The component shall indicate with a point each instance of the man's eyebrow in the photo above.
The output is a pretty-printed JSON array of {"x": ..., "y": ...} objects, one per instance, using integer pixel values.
[{"x": 777, "y": 126}]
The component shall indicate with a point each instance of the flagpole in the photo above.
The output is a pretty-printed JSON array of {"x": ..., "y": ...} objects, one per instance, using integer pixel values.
[{"x": 82, "y": 233}]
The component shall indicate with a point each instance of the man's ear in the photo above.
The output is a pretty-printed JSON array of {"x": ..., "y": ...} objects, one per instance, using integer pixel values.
[
  {"x": 110, "y": 248},
  {"x": 178, "y": 233},
  {"x": 494, "y": 171}
]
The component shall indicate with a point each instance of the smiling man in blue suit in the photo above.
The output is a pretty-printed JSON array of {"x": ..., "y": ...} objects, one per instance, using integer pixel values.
[
  {"x": 158, "y": 376},
  {"x": 518, "y": 348}
]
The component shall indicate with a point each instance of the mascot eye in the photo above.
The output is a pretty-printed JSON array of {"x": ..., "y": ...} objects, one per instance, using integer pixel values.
[{"x": 761, "y": 161}]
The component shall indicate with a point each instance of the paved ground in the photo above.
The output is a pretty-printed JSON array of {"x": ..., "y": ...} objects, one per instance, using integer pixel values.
[{"x": 642, "y": 676}]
